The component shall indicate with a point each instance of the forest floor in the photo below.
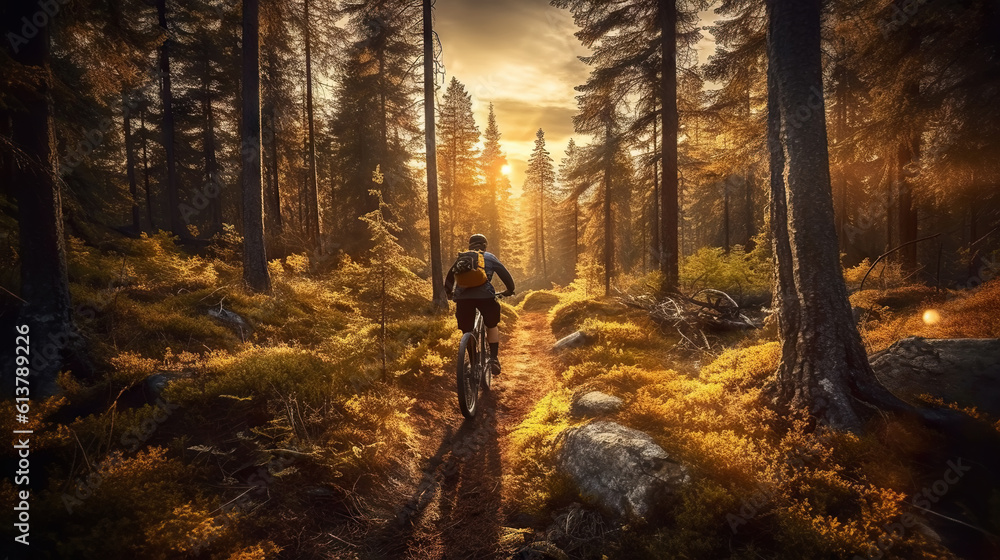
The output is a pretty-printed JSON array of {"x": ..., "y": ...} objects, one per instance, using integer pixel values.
[{"x": 456, "y": 506}]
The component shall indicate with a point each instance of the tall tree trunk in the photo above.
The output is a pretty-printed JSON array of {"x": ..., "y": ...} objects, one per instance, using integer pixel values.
[
  {"x": 541, "y": 229},
  {"x": 909, "y": 151},
  {"x": 609, "y": 239},
  {"x": 437, "y": 280},
  {"x": 34, "y": 182},
  {"x": 166, "y": 97},
  {"x": 145, "y": 170},
  {"x": 668, "y": 143},
  {"x": 725, "y": 215},
  {"x": 824, "y": 368},
  {"x": 840, "y": 129},
  {"x": 576, "y": 233},
  {"x": 657, "y": 228},
  {"x": 387, "y": 190},
  {"x": 255, "y": 272},
  {"x": 750, "y": 222},
  {"x": 890, "y": 202},
  {"x": 133, "y": 189},
  {"x": 272, "y": 211},
  {"x": 209, "y": 152},
  {"x": 312, "y": 190},
  {"x": 748, "y": 183}
]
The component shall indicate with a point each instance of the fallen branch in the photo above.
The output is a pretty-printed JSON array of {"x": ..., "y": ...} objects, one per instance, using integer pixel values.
[{"x": 891, "y": 251}]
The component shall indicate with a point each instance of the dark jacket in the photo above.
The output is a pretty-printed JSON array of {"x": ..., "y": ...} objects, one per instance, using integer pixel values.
[{"x": 486, "y": 290}]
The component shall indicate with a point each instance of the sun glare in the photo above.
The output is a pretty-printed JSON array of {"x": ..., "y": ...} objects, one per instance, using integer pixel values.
[
  {"x": 932, "y": 317},
  {"x": 505, "y": 170}
]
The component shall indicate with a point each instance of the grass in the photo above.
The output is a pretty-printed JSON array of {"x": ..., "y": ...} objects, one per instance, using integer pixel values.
[
  {"x": 296, "y": 400},
  {"x": 828, "y": 495}
]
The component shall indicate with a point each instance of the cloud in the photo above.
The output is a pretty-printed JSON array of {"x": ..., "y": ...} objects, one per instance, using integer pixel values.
[{"x": 520, "y": 55}]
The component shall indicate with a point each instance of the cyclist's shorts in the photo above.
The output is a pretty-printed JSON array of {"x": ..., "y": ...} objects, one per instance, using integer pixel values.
[{"x": 465, "y": 312}]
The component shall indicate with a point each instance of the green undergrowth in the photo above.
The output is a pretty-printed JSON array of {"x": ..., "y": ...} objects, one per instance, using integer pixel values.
[
  {"x": 756, "y": 492},
  {"x": 252, "y": 416}
]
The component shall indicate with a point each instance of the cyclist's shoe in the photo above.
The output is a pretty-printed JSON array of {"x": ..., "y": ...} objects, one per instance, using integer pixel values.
[{"x": 496, "y": 367}]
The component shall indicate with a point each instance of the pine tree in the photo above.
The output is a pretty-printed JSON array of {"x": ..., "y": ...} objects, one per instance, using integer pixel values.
[
  {"x": 465, "y": 208},
  {"x": 496, "y": 185},
  {"x": 823, "y": 368},
  {"x": 388, "y": 262},
  {"x": 430, "y": 142},
  {"x": 374, "y": 125},
  {"x": 255, "y": 272},
  {"x": 539, "y": 189}
]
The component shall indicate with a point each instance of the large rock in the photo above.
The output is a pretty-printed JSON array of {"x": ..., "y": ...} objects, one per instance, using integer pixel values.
[
  {"x": 620, "y": 468},
  {"x": 595, "y": 403},
  {"x": 232, "y": 319},
  {"x": 575, "y": 340},
  {"x": 961, "y": 370}
]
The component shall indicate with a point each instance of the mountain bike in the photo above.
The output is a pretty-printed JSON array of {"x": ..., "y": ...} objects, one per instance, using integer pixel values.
[{"x": 475, "y": 367}]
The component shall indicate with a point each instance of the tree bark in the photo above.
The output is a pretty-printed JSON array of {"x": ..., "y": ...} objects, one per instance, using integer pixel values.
[
  {"x": 433, "y": 215},
  {"x": 657, "y": 228},
  {"x": 909, "y": 151},
  {"x": 312, "y": 191},
  {"x": 34, "y": 182},
  {"x": 145, "y": 171},
  {"x": 609, "y": 239},
  {"x": 668, "y": 143},
  {"x": 824, "y": 368},
  {"x": 130, "y": 164},
  {"x": 273, "y": 210},
  {"x": 725, "y": 217},
  {"x": 541, "y": 229},
  {"x": 166, "y": 96},
  {"x": 209, "y": 152},
  {"x": 255, "y": 272}
]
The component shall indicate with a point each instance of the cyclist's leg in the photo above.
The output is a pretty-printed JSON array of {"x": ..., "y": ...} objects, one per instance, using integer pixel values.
[
  {"x": 490, "y": 309},
  {"x": 465, "y": 314}
]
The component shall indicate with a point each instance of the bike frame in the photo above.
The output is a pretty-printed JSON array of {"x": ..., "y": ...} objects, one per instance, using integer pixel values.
[{"x": 479, "y": 373}]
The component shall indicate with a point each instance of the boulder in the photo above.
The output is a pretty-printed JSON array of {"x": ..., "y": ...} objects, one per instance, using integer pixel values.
[
  {"x": 620, "y": 469},
  {"x": 595, "y": 403},
  {"x": 232, "y": 319},
  {"x": 965, "y": 371},
  {"x": 575, "y": 340}
]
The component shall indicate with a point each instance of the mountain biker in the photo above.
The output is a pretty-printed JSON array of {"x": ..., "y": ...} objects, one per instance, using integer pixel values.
[{"x": 483, "y": 298}]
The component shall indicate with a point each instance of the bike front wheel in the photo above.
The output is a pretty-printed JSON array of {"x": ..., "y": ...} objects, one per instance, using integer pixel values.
[{"x": 468, "y": 376}]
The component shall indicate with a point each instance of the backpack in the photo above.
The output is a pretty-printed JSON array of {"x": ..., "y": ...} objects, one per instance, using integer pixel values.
[{"x": 470, "y": 269}]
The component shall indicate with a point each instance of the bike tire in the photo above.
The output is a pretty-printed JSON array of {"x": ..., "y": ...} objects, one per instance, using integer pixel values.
[
  {"x": 485, "y": 364},
  {"x": 468, "y": 381}
]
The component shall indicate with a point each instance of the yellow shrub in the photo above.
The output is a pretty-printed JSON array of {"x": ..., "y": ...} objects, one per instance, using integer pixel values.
[{"x": 540, "y": 300}]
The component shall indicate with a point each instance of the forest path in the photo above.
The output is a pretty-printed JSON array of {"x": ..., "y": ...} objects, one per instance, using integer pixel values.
[{"x": 458, "y": 509}]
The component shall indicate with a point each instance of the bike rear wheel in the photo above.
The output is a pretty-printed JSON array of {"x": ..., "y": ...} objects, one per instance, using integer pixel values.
[
  {"x": 485, "y": 364},
  {"x": 468, "y": 376}
]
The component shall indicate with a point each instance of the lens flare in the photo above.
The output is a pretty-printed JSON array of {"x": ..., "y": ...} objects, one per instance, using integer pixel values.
[{"x": 932, "y": 317}]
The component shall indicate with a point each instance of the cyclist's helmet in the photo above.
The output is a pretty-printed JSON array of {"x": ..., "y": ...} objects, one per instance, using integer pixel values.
[{"x": 477, "y": 240}]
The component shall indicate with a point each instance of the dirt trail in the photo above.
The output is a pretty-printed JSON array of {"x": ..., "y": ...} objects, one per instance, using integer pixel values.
[{"x": 457, "y": 509}]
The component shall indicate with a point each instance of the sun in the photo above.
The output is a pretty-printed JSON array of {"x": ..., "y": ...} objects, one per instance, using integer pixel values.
[{"x": 505, "y": 170}]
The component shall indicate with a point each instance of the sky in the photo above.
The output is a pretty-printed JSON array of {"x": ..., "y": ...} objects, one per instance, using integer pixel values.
[{"x": 520, "y": 55}]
